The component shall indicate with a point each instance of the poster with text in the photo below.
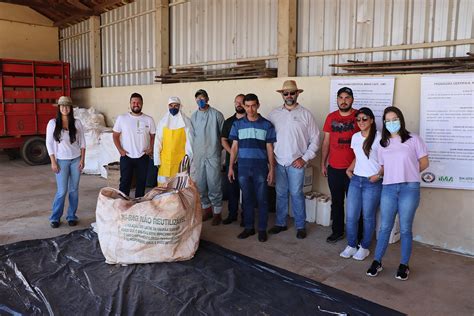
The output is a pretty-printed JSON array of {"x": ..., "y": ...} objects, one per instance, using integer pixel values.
[
  {"x": 374, "y": 93},
  {"x": 447, "y": 126}
]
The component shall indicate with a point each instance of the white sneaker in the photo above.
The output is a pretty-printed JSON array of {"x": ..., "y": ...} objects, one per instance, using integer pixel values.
[
  {"x": 361, "y": 254},
  {"x": 348, "y": 252}
]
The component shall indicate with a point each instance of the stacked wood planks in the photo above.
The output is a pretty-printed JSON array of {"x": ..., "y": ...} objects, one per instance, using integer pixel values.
[
  {"x": 427, "y": 65},
  {"x": 240, "y": 70}
]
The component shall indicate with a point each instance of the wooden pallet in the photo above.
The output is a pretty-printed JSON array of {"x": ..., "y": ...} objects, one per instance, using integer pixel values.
[
  {"x": 427, "y": 65},
  {"x": 240, "y": 70}
]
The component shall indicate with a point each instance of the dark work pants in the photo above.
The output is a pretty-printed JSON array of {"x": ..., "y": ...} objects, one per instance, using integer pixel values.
[
  {"x": 233, "y": 193},
  {"x": 339, "y": 185},
  {"x": 130, "y": 166}
]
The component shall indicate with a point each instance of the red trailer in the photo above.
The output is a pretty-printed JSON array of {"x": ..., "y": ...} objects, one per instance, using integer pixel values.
[{"x": 28, "y": 90}]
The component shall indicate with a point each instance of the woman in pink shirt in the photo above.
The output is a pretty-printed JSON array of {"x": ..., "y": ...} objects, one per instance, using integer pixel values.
[{"x": 402, "y": 156}]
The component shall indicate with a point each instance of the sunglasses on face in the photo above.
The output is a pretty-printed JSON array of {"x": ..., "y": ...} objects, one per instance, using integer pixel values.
[
  {"x": 289, "y": 93},
  {"x": 364, "y": 119}
]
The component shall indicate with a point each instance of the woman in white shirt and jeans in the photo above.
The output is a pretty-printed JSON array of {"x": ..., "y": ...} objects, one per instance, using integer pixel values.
[
  {"x": 365, "y": 186},
  {"x": 66, "y": 148}
]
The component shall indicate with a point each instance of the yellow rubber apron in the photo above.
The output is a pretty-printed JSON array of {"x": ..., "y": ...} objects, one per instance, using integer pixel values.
[{"x": 172, "y": 152}]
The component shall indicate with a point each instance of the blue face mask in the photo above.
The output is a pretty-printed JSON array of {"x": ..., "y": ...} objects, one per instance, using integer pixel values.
[
  {"x": 201, "y": 103},
  {"x": 393, "y": 126},
  {"x": 174, "y": 111}
]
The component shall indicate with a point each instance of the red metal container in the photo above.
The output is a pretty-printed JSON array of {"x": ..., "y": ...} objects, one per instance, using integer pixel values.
[{"x": 28, "y": 90}]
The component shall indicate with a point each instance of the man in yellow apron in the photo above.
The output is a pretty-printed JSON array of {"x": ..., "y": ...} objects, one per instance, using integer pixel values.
[{"x": 172, "y": 141}]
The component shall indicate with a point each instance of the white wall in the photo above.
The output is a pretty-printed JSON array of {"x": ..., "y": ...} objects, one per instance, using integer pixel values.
[{"x": 445, "y": 217}]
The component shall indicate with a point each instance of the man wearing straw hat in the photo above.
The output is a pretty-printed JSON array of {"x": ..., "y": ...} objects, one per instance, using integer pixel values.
[{"x": 297, "y": 143}]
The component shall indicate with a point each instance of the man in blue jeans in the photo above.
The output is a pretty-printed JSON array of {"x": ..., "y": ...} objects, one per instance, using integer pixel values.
[
  {"x": 252, "y": 142},
  {"x": 297, "y": 143}
]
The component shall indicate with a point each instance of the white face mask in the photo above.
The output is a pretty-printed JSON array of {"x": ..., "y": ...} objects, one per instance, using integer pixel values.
[{"x": 393, "y": 126}]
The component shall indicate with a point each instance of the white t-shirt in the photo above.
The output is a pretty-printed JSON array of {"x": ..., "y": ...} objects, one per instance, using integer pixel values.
[
  {"x": 135, "y": 133},
  {"x": 365, "y": 167},
  {"x": 64, "y": 149}
]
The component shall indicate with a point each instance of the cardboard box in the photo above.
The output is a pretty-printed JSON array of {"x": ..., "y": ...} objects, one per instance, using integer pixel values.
[
  {"x": 113, "y": 175},
  {"x": 308, "y": 176}
]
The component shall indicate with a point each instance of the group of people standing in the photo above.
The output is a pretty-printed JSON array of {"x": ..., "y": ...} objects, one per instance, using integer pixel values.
[{"x": 370, "y": 167}]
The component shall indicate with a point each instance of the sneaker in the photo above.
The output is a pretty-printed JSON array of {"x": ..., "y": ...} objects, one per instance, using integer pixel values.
[
  {"x": 361, "y": 254},
  {"x": 229, "y": 220},
  {"x": 348, "y": 252},
  {"x": 54, "y": 224},
  {"x": 72, "y": 223},
  {"x": 301, "y": 233},
  {"x": 246, "y": 233},
  {"x": 335, "y": 238},
  {"x": 277, "y": 229},
  {"x": 374, "y": 269},
  {"x": 402, "y": 272},
  {"x": 262, "y": 236}
]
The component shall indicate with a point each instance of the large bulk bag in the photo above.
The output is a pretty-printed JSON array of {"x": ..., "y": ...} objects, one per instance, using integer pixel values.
[{"x": 163, "y": 226}]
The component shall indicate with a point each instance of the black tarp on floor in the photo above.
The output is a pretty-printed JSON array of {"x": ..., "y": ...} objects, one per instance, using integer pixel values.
[{"x": 67, "y": 275}]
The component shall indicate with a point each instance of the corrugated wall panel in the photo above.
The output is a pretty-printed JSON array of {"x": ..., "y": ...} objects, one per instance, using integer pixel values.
[
  {"x": 74, "y": 49},
  {"x": 128, "y": 44},
  {"x": 326, "y": 25},
  {"x": 215, "y": 30}
]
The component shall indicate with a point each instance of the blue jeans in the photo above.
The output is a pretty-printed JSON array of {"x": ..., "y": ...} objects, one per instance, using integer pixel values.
[
  {"x": 363, "y": 196},
  {"x": 403, "y": 198},
  {"x": 290, "y": 179},
  {"x": 253, "y": 183},
  {"x": 67, "y": 180}
]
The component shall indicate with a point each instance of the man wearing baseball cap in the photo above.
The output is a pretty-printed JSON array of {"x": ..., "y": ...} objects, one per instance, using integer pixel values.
[
  {"x": 173, "y": 141},
  {"x": 337, "y": 156}
]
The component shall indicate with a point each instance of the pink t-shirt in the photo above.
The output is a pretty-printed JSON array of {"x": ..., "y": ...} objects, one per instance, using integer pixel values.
[{"x": 400, "y": 160}]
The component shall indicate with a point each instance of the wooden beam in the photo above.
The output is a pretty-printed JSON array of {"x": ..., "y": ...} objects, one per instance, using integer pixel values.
[
  {"x": 469, "y": 41},
  {"x": 162, "y": 37},
  {"x": 287, "y": 24},
  {"x": 96, "y": 10},
  {"x": 353, "y": 63},
  {"x": 79, "y": 5},
  {"x": 95, "y": 51}
]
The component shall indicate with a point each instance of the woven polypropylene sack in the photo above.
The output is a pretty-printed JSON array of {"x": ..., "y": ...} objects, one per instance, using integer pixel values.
[{"x": 163, "y": 226}]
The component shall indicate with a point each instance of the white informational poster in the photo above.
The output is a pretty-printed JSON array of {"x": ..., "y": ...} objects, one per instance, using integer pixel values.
[
  {"x": 374, "y": 93},
  {"x": 447, "y": 126}
]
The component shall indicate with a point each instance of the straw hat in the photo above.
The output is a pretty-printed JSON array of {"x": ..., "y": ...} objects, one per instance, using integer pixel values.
[
  {"x": 64, "y": 100},
  {"x": 289, "y": 85}
]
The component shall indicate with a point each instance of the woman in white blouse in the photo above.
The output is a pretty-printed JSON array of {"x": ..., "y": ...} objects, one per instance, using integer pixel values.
[{"x": 67, "y": 149}]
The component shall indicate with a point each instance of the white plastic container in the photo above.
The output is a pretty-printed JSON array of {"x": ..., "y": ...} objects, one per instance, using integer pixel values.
[
  {"x": 311, "y": 203},
  {"x": 323, "y": 214},
  {"x": 394, "y": 234}
]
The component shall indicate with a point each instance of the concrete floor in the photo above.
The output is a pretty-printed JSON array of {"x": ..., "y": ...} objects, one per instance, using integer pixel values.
[{"x": 440, "y": 283}]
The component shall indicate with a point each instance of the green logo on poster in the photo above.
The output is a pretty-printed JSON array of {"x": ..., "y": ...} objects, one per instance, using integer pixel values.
[{"x": 445, "y": 179}]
